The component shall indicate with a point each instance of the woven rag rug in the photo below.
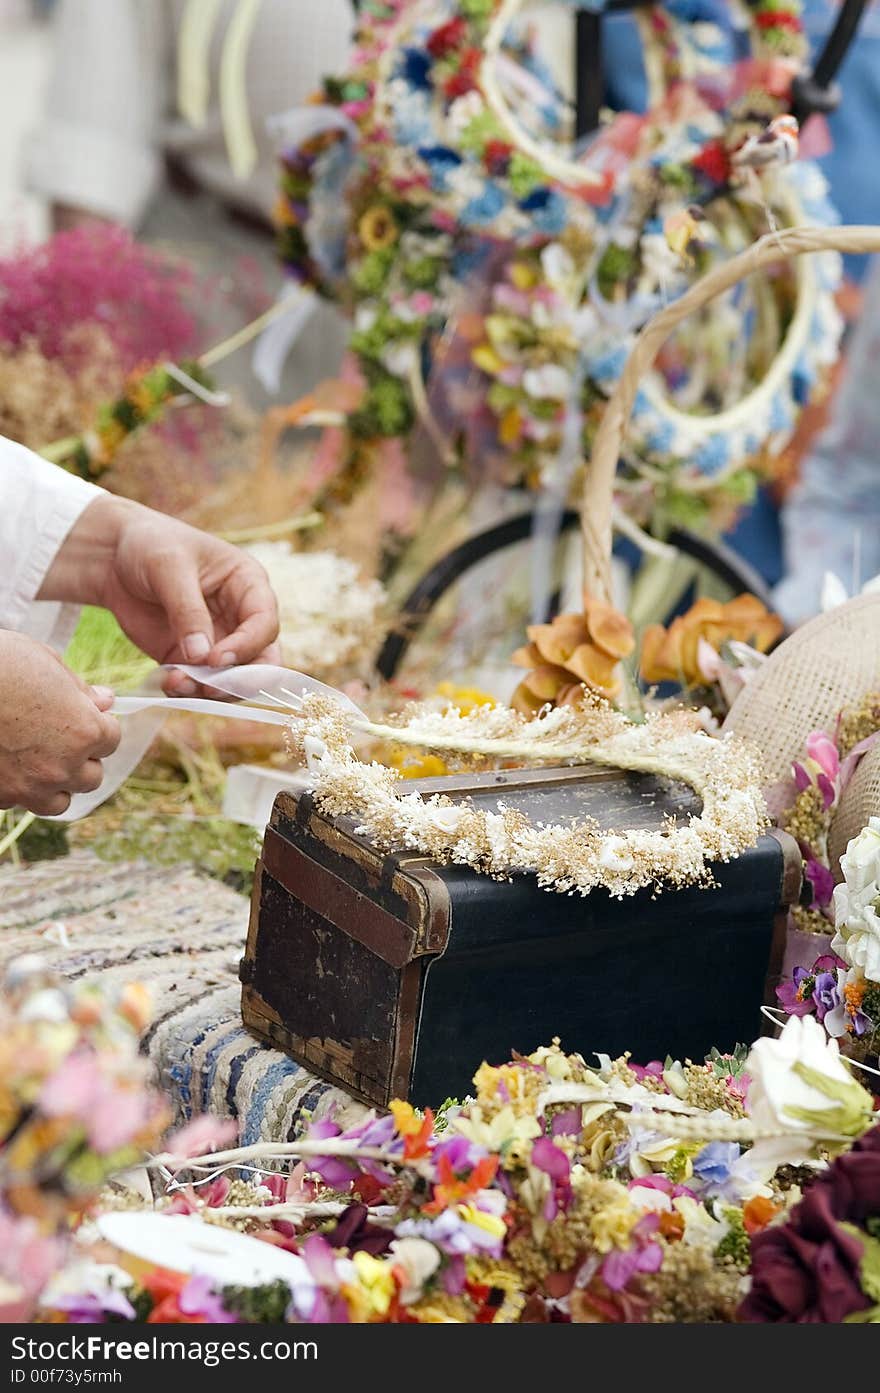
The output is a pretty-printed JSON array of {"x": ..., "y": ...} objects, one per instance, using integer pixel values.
[{"x": 181, "y": 934}]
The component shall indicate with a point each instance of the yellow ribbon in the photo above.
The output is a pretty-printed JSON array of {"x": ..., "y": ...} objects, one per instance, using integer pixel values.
[{"x": 193, "y": 86}]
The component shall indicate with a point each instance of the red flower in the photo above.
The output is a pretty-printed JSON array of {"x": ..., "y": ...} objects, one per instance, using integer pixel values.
[
  {"x": 807, "y": 1270},
  {"x": 464, "y": 80},
  {"x": 447, "y": 38},
  {"x": 165, "y": 1288},
  {"x": 780, "y": 19},
  {"x": 713, "y": 161},
  {"x": 497, "y": 156},
  {"x": 451, "y": 1190}
]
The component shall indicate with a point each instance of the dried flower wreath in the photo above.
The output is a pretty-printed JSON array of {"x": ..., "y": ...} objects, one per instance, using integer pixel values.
[{"x": 575, "y": 857}]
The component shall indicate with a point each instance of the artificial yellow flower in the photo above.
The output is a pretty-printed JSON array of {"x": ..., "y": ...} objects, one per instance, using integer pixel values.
[
  {"x": 378, "y": 228},
  {"x": 465, "y": 699},
  {"x": 489, "y": 1223},
  {"x": 376, "y": 1280},
  {"x": 612, "y": 1226},
  {"x": 412, "y": 765},
  {"x": 406, "y": 1119},
  {"x": 510, "y": 426},
  {"x": 523, "y": 275},
  {"x": 487, "y": 360},
  {"x": 504, "y": 1130}
]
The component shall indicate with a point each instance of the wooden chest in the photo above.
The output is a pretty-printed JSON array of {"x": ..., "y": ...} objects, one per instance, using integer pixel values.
[{"x": 396, "y": 977}]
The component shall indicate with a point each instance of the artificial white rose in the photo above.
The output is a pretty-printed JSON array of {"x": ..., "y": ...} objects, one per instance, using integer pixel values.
[
  {"x": 549, "y": 381},
  {"x": 860, "y": 862},
  {"x": 418, "y": 1260},
  {"x": 800, "y": 1086}
]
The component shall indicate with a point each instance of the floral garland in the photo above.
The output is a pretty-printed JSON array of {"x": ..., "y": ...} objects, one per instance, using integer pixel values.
[
  {"x": 558, "y": 1193},
  {"x": 75, "y": 1109},
  {"x": 578, "y": 857},
  {"x": 842, "y": 987},
  {"x": 806, "y": 804},
  {"x": 148, "y": 395},
  {"x": 420, "y": 210}
]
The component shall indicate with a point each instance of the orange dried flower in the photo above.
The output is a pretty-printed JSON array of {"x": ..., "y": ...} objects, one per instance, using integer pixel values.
[
  {"x": 758, "y": 1213},
  {"x": 573, "y": 652},
  {"x": 672, "y": 655}
]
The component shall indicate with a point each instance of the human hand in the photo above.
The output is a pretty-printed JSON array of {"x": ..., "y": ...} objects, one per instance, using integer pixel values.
[
  {"x": 55, "y": 730},
  {"x": 180, "y": 594}
]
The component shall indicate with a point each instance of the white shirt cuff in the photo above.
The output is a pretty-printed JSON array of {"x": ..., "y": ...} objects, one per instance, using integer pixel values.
[{"x": 39, "y": 504}]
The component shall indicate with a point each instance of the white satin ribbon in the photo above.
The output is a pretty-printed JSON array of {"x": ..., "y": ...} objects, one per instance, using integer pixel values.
[{"x": 265, "y": 693}]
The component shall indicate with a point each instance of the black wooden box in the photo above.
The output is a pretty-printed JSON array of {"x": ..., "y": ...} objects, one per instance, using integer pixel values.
[{"x": 395, "y": 977}]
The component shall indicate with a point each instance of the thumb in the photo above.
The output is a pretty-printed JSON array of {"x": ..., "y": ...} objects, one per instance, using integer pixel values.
[{"x": 178, "y": 591}]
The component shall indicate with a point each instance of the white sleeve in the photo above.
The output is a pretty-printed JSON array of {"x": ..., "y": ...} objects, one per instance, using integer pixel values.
[
  {"x": 39, "y": 503},
  {"x": 96, "y": 147}
]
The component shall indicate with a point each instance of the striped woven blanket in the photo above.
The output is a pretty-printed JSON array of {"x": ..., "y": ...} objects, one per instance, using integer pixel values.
[{"x": 181, "y": 933}]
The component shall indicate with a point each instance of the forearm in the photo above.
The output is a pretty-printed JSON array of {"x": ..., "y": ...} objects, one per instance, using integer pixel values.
[{"x": 79, "y": 571}]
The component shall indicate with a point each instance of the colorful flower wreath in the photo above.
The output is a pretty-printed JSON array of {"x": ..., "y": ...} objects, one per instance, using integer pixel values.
[
  {"x": 475, "y": 252},
  {"x": 557, "y": 1193}
]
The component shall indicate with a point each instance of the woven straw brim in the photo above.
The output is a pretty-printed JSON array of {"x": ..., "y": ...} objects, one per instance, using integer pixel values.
[{"x": 830, "y": 663}]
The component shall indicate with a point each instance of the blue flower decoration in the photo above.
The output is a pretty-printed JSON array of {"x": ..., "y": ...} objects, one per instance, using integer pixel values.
[
  {"x": 415, "y": 66},
  {"x": 484, "y": 208},
  {"x": 802, "y": 380},
  {"x": 608, "y": 366},
  {"x": 659, "y": 438},
  {"x": 548, "y": 211},
  {"x": 714, "y": 1163},
  {"x": 780, "y": 414},
  {"x": 440, "y": 160},
  {"x": 713, "y": 455}
]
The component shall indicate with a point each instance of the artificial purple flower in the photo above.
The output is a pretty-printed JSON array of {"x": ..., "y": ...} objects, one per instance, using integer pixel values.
[
  {"x": 654, "y": 1070},
  {"x": 552, "y": 1160},
  {"x": 462, "y": 1154},
  {"x": 198, "y": 1298},
  {"x": 454, "y": 1276},
  {"x": 825, "y": 994},
  {"x": 827, "y": 790},
  {"x": 336, "y": 1172},
  {"x": 567, "y": 1124},
  {"x": 822, "y": 882},
  {"x": 89, "y": 1308},
  {"x": 661, "y": 1182},
  {"x": 802, "y": 780},
  {"x": 643, "y": 1255},
  {"x": 787, "y": 993}
]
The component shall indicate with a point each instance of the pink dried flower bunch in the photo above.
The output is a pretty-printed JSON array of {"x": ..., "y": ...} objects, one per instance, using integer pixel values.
[{"x": 97, "y": 275}]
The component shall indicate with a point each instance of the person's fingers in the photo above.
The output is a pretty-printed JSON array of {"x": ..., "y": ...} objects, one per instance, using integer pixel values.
[
  {"x": 50, "y": 804},
  {"x": 107, "y": 737},
  {"x": 250, "y": 598},
  {"x": 103, "y": 697},
  {"x": 176, "y": 684},
  {"x": 88, "y": 777},
  {"x": 177, "y": 588}
]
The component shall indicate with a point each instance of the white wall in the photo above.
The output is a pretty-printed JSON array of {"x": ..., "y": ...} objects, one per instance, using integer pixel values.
[{"x": 24, "y": 63}]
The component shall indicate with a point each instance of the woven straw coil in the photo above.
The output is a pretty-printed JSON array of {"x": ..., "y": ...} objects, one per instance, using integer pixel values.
[
  {"x": 860, "y": 802},
  {"x": 830, "y": 663}
]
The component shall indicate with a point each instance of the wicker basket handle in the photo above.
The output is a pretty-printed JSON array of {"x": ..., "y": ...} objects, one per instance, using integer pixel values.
[{"x": 598, "y": 494}]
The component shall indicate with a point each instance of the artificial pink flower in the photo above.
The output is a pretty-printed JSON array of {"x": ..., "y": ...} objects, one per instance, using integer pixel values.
[
  {"x": 822, "y": 749},
  {"x": 204, "y": 1133}
]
